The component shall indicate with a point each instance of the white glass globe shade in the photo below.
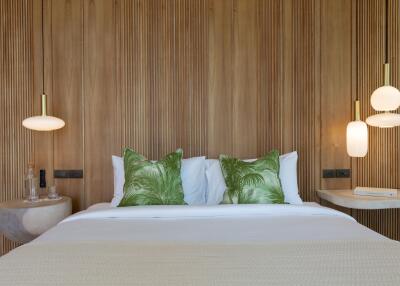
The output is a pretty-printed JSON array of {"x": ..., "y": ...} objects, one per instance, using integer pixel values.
[
  {"x": 385, "y": 98},
  {"x": 384, "y": 120},
  {"x": 43, "y": 123},
  {"x": 357, "y": 138}
]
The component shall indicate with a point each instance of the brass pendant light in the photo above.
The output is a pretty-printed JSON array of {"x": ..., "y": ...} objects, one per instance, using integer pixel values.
[{"x": 43, "y": 122}]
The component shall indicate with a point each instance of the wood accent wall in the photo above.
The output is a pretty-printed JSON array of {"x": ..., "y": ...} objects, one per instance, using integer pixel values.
[
  {"x": 381, "y": 166},
  {"x": 211, "y": 76},
  {"x": 16, "y": 98}
]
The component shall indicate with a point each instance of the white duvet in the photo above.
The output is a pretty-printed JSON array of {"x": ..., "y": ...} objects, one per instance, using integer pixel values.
[
  {"x": 206, "y": 245},
  {"x": 222, "y": 223}
]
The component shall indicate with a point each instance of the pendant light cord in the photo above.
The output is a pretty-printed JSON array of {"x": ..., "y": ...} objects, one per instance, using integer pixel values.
[
  {"x": 43, "y": 46},
  {"x": 357, "y": 101},
  {"x": 386, "y": 31},
  {"x": 356, "y": 53}
]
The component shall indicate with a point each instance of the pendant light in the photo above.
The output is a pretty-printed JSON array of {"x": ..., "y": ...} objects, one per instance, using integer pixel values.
[
  {"x": 357, "y": 135},
  {"x": 43, "y": 122},
  {"x": 385, "y": 98}
]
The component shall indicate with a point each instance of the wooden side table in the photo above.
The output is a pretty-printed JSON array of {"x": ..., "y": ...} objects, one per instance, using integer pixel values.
[
  {"x": 22, "y": 221},
  {"x": 347, "y": 199}
]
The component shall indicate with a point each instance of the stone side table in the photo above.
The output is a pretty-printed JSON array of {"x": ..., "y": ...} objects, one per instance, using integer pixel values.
[{"x": 22, "y": 221}]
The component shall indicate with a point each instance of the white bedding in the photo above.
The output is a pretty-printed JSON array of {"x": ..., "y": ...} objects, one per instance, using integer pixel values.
[
  {"x": 222, "y": 223},
  {"x": 208, "y": 245}
]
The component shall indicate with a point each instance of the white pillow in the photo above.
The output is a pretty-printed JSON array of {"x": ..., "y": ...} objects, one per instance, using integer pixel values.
[
  {"x": 194, "y": 183},
  {"x": 287, "y": 173},
  {"x": 215, "y": 182},
  {"x": 192, "y": 174},
  {"x": 288, "y": 176},
  {"x": 119, "y": 180}
]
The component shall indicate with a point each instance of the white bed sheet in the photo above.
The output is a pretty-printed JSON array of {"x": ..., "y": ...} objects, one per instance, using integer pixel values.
[{"x": 209, "y": 224}]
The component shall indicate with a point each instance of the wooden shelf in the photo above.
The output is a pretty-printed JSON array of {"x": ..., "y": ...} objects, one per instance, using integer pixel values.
[{"x": 346, "y": 198}]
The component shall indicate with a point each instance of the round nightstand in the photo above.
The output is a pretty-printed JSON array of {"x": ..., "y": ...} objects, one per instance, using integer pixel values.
[{"x": 22, "y": 221}]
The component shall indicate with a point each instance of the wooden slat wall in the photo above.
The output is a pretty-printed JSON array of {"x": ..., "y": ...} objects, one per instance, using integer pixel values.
[
  {"x": 381, "y": 166},
  {"x": 16, "y": 98},
  {"x": 67, "y": 79},
  {"x": 305, "y": 115},
  {"x": 336, "y": 87},
  {"x": 220, "y": 61},
  {"x": 271, "y": 92},
  {"x": 101, "y": 101},
  {"x": 164, "y": 74},
  {"x": 211, "y": 76},
  {"x": 220, "y": 56}
]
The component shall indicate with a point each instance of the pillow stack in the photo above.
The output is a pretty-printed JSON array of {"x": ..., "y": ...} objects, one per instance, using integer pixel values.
[
  {"x": 216, "y": 186},
  {"x": 192, "y": 173},
  {"x": 197, "y": 181}
]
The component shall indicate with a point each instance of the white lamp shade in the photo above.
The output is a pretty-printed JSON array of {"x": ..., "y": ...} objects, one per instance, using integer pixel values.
[
  {"x": 384, "y": 120},
  {"x": 43, "y": 123},
  {"x": 385, "y": 98},
  {"x": 357, "y": 138}
]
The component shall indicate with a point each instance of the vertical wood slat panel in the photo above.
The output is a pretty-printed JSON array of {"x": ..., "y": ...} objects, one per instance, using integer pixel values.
[
  {"x": 336, "y": 79},
  {"x": 16, "y": 99},
  {"x": 271, "y": 78},
  {"x": 134, "y": 79},
  {"x": 197, "y": 81},
  {"x": 220, "y": 86},
  {"x": 102, "y": 136},
  {"x": 245, "y": 78},
  {"x": 162, "y": 80},
  {"x": 158, "y": 80},
  {"x": 66, "y": 52},
  {"x": 381, "y": 166},
  {"x": 226, "y": 10},
  {"x": 156, "y": 94},
  {"x": 304, "y": 95}
]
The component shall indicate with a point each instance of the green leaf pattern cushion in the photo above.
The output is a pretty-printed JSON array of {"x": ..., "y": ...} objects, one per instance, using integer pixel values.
[
  {"x": 152, "y": 183},
  {"x": 254, "y": 182}
]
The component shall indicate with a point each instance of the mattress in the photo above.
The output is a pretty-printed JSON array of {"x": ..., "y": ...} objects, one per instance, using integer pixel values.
[{"x": 206, "y": 245}]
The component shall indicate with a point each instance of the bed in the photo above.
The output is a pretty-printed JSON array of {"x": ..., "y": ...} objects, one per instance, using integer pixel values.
[{"x": 206, "y": 245}]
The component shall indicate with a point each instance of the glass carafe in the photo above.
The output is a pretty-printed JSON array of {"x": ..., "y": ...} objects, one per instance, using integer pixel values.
[{"x": 31, "y": 185}]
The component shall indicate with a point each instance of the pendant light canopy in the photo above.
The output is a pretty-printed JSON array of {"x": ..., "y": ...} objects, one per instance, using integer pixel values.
[
  {"x": 43, "y": 122},
  {"x": 357, "y": 136},
  {"x": 385, "y": 98}
]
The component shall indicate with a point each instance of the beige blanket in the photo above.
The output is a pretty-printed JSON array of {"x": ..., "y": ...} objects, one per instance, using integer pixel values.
[{"x": 290, "y": 263}]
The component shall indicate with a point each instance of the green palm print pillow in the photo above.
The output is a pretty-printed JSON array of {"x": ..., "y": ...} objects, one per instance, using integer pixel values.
[
  {"x": 152, "y": 183},
  {"x": 254, "y": 182}
]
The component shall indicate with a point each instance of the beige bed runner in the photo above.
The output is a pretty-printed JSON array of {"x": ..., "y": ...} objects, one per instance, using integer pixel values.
[{"x": 303, "y": 263}]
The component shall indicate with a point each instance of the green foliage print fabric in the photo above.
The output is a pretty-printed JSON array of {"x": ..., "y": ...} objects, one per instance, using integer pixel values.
[
  {"x": 152, "y": 183},
  {"x": 254, "y": 182}
]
